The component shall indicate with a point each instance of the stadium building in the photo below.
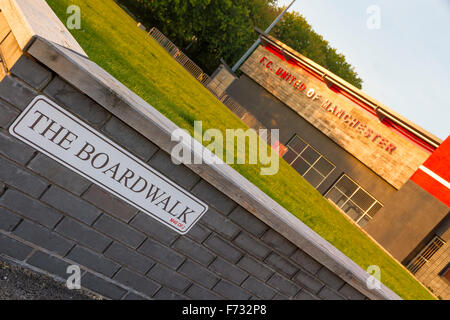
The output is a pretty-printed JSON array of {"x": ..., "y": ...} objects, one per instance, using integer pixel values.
[{"x": 386, "y": 174}]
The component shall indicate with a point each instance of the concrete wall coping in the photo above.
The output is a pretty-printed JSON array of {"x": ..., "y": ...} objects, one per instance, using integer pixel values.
[
  {"x": 104, "y": 89},
  {"x": 34, "y": 18}
]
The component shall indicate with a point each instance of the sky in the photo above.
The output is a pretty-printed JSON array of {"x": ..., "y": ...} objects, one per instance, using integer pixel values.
[{"x": 404, "y": 60}]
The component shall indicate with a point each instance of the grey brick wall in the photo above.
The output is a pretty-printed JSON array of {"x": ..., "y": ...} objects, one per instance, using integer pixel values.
[{"x": 51, "y": 218}]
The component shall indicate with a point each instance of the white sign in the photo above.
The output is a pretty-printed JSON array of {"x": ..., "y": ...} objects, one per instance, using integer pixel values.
[{"x": 58, "y": 134}]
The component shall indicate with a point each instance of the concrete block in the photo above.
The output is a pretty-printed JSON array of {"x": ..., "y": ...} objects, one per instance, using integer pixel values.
[
  {"x": 133, "y": 297},
  {"x": 166, "y": 294},
  {"x": 71, "y": 205},
  {"x": 330, "y": 279},
  {"x": 281, "y": 265},
  {"x": 50, "y": 264},
  {"x": 277, "y": 242},
  {"x": 119, "y": 230},
  {"x": 193, "y": 250},
  {"x": 137, "y": 282},
  {"x": 59, "y": 174},
  {"x": 102, "y": 287},
  {"x": 231, "y": 291},
  {"x": 8, "y": 220},
  {"x": 14, "y": 149},
  {"x": 129, "y": 258},
  {"x": 4, "y": 27},
  {"x": 198, "y": 233},
  {"x": 9, "y": 114},
  {"x": 83, "y": 234},
  {"x": 284, "y": 285},
  {"x": 43, "y": 237},
  {"x": 307, "y": 281},
  {"x": 180, "y": 174},
  {"x": 253, "y": 246},
  {"x": 228, "y": 271},
  {"x": 216, "y": 199},
  {"x": 329, "y": 294},
  {"x": 130, "y": 139},
  {"x": 259, "y": 288},
  {"x": 351, "y": 293},
  {"x": 255, "y": 268},
  {"x": 30, "y": 208},
  {"x": 169, "y": 278},
  {"x": 31, "y": 72},
  {"x": 199, "y": 274},
  {"x": 154, "y": 229},
  {"x": 305, "y": 295},
  {"x": 280, "y": 296},
  {"x": 161, "y": 253},
  {"x": 10, "y": 50},
  {"x": 223, "y": 248},
  {"x": 14, "y": 248},
  {"x": 109, "y": 203},
  {"x": 93, "y": 261},
  {"x": 21, "y": 179},
  {"x": 73, "y": 100},
  {"x": 306, "y": 262},
  {"x": 248, "y": 221},
  {"x": 15, "y": 92},
  {"x": 199, "y": 293},
  {"x": 220, "y": 223}
]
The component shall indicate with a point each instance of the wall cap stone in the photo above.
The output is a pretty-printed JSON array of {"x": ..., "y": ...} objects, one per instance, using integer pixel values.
[{"x": 68, "y": 62}]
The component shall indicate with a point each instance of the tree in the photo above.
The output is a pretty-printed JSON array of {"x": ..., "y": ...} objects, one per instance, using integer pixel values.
[
  {"x": 295, "y": 31},
  {"x": 208, "y": 30}
]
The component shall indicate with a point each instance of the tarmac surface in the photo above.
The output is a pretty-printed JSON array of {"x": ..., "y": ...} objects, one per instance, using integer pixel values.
[{"x": 18, "y": 283}]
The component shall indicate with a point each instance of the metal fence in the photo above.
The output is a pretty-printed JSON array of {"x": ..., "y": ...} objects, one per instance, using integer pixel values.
[
  {"x": 180, "y": 57},
  {"x": 204, "y": 79},
  {"x": 425, "y": 255}
]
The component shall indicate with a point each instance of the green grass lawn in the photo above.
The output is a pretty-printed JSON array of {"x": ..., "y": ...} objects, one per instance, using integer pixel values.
[{"x": 112, "y": 40}]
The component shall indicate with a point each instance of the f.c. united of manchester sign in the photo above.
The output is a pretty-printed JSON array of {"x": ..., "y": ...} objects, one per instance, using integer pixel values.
[
  {"x": 327, "y": 105},
  {"x": 339, "y": 116},
  {"x": 58, "y": 134}
]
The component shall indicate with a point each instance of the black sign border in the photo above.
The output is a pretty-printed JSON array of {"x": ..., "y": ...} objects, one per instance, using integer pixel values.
[{"x": 114, "y": 145}]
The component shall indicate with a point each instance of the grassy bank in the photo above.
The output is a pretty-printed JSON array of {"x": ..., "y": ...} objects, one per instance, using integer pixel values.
[{"x": 112, "y": 40}]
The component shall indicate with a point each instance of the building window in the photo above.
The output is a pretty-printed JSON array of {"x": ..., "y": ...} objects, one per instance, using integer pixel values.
[
  {"x": 357, "y": 203},
  {"x": 311, "y": 165},
  {"x": 425, "y": 255}
]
